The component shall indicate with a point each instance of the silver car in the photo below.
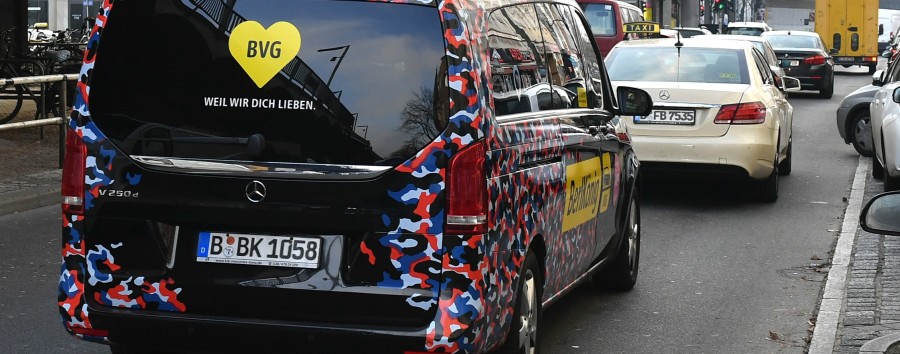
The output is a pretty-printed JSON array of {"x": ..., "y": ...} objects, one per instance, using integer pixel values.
[{"x": 853, "y": 117}]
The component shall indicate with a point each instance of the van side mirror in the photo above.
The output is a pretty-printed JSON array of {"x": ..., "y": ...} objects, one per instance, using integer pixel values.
[
  {"x": 896, "y": 95},
  {"x": 633, "y": 101},
  {"x": 881, "y": 215}
]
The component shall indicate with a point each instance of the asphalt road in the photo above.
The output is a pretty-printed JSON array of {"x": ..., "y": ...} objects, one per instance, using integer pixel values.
[
  {"x": 30, "y": 256},
  {"x": 718, "y": 273}
]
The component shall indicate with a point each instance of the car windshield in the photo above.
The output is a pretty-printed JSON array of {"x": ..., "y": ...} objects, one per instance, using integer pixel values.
[
  {"x": 670, "y": 64},
  {"x": 790, "y": 41},
  {"x": 602, "y": 19}
]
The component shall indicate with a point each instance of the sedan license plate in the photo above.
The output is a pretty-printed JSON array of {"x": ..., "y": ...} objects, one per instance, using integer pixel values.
[
  {"x": 262, "y": 250},
  {"x": 674, "y": 117},
  {"x": 789, "y": 63}
]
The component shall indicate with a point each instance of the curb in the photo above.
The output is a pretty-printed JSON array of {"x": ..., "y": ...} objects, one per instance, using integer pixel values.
[{"x": 30, "y": 191}]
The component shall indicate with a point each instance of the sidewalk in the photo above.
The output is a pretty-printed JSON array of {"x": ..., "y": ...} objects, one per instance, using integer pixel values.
[
  {"x": 870, "y": 313},
  {"x": 29, "y": 192}
]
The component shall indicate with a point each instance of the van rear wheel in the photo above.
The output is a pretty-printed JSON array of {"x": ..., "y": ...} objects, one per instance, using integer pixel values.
[
  {"x": 523, "y": 332},
  {"x": 622, "y": 274}
]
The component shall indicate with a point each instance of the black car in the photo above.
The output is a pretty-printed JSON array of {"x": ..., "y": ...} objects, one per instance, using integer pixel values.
[{"x": 803, "y": 55}]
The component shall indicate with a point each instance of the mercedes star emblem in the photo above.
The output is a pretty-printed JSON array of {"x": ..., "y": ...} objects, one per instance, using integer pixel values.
[
  {"x": 664, "y": 94},
  {"x": 256, "y": 191}
]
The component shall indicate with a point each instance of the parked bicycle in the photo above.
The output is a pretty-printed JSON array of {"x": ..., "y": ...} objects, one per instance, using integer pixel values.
[{"x": 58, "y": 55}]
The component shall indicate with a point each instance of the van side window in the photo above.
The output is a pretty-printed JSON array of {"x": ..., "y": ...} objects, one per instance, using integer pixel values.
[
  {"x": 590, "y": 62},
  {"x": 519, "y": 73},
  {"x": 564, "y": 59}
]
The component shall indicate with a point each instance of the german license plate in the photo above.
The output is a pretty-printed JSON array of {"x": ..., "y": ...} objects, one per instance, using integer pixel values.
[
  {"x": 789, "y": 63},
  {"x": 674, "y": 117},
  {"x": 845, "y": 59},
  {"x": 261, "y": 250}
]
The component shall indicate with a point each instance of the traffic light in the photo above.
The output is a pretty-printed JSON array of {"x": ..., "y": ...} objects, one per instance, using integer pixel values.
[
  {"x": 701, "y": 10},
  {"x": 717, "y": 5},
  {"x": 720, "y": 4}
]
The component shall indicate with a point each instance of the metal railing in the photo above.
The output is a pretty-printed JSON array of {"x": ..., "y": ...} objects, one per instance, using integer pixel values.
[{"x": 63, "y": 106}]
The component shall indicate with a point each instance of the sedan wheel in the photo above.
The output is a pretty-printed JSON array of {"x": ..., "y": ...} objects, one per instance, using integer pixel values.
[
  {"x": 767, "y": 189},
  {"x": 827, "y": 92},
  {"x": 861, "y": 134}
]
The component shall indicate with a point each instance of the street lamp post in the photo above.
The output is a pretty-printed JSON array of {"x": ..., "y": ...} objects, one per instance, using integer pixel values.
[{"x": 339, "y": 58}]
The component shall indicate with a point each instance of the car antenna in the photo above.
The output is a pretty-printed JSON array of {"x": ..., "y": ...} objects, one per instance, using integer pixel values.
[{"x": 678, "y": 43}]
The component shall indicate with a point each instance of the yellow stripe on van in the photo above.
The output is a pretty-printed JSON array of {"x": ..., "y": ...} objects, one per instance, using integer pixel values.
[{"x": 583, "y": 186}]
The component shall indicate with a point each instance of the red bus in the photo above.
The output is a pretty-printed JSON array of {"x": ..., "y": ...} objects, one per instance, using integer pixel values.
[{"x": 607, "y": 18}]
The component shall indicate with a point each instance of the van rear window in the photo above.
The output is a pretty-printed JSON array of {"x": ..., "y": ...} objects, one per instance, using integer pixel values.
[{"x": 327, "y": 82}]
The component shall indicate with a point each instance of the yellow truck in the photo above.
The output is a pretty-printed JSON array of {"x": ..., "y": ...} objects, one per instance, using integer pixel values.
[{"x": 849, "y": 29}]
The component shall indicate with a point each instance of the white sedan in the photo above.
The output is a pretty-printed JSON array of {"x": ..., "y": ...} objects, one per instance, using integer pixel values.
[
  {"x": 885, "y": 111},
  {"x": 717, "y": 108}
]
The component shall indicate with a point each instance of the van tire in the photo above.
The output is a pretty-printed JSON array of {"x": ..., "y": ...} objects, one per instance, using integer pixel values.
[
  {"x": 623, "y": 272},
  {"x": 523, "y": 331}
]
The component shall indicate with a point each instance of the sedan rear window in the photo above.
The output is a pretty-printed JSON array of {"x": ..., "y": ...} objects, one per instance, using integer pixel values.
[
  {"x": 670, "y": 64},
  {"x": 789, "y": 41}
]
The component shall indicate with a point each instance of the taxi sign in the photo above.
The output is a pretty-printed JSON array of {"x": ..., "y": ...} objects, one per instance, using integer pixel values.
[{"x": 641, "y": 27}]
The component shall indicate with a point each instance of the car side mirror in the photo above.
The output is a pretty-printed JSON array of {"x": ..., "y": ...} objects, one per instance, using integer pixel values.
[
  {"x": 790, "y": 84},
  {"x": 881, "y": 215},
  {"x": 896, "y": 95},
  {"x": 877, "y": 79},
  {"x": 833, "y": 51},
  {"x": 633, "y": 101}
]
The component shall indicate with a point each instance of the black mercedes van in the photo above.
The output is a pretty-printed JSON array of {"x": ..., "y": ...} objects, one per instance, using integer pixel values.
[{"x": 332, "y": 176}]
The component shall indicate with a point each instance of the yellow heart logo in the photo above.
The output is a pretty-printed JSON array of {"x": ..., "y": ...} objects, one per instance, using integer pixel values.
[{"x": 264, "y": 52}]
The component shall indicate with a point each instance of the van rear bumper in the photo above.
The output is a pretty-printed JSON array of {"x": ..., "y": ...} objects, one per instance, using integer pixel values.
[{"x": 149, "y": 331}]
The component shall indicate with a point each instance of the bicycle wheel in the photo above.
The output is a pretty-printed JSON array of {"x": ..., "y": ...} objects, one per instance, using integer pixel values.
[{"x": 11, "y": 97}]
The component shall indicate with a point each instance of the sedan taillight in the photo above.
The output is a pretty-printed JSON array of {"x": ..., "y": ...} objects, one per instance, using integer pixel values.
[
  {"x": 814, "y": 60},
  {"x": 742, "y": 113}
]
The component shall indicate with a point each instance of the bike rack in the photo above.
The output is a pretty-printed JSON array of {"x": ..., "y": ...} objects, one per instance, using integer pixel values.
[{"x": 63, "y": 105}]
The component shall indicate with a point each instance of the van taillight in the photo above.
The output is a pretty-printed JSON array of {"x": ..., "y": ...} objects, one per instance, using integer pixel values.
[
  {"x": 467, "y": 192},
  {"x": 814, "y": 60},
  {"x": 742, "y": 113},
  {"x": 73, "y": 174}
]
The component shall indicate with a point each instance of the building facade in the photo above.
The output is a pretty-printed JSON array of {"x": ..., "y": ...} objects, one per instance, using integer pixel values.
[{"x": 62, "y": 14}]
